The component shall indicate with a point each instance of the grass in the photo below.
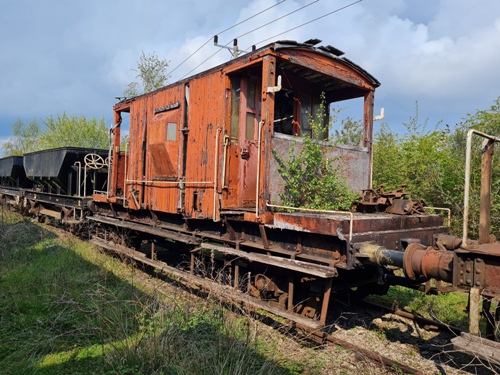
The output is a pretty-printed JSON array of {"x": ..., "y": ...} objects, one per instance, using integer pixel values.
[
  {"x": 449, "y": 308},
  {"x": 66, "y": 308}
]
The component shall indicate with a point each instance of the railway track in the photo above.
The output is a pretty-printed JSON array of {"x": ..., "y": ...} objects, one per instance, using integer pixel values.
[{"x": 301, "y": 327}]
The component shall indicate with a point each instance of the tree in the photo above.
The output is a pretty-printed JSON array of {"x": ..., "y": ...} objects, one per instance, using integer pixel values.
[
  {"x": 75, "y": 131},
  {"x": 151, "y": 72},
  {"x": 486, "y": 121},
  {"x": 60, "y": 131},
  {"x": 26, "y": 138},
  {"x": 415, "y": 159},
  {"x": 386, "y": 163}
]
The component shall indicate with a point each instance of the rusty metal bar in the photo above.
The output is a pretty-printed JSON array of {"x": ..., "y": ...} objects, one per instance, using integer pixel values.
[
  {"x": 291, "y": 287},
  {"x": 485, "y": 201},
  {"x": 467, "y": 177},
  {"x": 125, "y": 200},
  {"x": 236, "y": 275},
  {"x": 115, "y": 131},
  {"x": 368, "y": 130},
  {"x": 220, "y": 291},
  {"x": 168, "y": 182},
  {"x": 285, "y": 263},
  {"x": 257, "y": 185},
  {"x": 216, "y": 172},
  {"x": 351, "y": 215},
  {"x": 441, "y": 209},
  {"x": 224, "y": 162},
  {"x": 326, "y": 300},
  {"x": 415, "y": 261}
]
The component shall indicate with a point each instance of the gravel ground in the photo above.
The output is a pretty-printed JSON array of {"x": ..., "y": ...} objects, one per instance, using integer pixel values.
[{"x": 403, "y": 340}]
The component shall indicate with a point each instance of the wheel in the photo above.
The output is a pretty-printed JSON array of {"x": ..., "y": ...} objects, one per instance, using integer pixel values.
[{"x": 94, "y": 161}]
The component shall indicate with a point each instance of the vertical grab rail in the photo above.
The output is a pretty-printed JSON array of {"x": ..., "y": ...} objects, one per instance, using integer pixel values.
[
  {"x": 79, "y": 177},
  {"x": 216, "y": 173}
]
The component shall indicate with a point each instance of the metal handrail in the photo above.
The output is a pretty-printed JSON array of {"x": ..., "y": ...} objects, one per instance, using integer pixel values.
[
  {"x": 441, "y": 209},
  {"x": 351, "y": 215}
]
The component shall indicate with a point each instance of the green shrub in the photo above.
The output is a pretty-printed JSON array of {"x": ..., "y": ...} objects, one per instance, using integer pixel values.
[{"x": 312, "y": 180}]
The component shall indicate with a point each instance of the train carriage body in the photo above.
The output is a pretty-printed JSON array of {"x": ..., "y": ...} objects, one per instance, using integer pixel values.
[{"x": 203, "y": 146}]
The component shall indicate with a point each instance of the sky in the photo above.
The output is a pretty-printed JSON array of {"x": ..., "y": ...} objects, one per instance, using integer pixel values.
[{"x": 77, "y": 56}]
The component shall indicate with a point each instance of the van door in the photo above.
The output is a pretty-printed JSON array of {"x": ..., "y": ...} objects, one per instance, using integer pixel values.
[{"x": 241, "y": 145}]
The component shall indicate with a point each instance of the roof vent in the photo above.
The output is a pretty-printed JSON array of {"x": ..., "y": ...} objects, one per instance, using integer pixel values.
[
  {"x": 332, "y": 50},
  {"x": 312, "y": 42}
]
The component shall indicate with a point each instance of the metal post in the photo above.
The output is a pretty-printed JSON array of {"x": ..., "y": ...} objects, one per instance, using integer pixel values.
[
  {"x": 468, "y": 158},
  {"x": 291, "y": 287},
  {"x": 326, "y": 300},
  {"x": 485, "y": 203}
]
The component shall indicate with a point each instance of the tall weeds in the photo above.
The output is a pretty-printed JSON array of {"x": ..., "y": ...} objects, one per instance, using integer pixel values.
[{"x": 67, "y": 308}]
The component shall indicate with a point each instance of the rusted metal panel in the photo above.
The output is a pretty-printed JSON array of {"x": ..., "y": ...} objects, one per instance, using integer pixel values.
[
  {"x": 485, "y": 268},
  {"x": 384, "y": 229},
  {"x": 269, "y": 79},
  {"x": 368, "y": 127},
  {"x": 119, "y": 164},
  {"x": 353, "y": 163},
  {"x": 134, "y": 193},
  {"x": 492, "y": 276},
  {"x": 206, "y": 121}
]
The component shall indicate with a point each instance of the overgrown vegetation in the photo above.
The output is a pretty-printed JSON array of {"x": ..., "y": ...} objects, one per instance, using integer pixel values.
[
  {"x": 313, "y": 180},
  {"x": 66, "y": 308},
  {"x": 431, "y": 161}
]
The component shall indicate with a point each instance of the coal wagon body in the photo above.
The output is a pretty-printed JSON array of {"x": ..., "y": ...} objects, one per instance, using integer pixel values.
[{"x": 54, "y": 183}]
